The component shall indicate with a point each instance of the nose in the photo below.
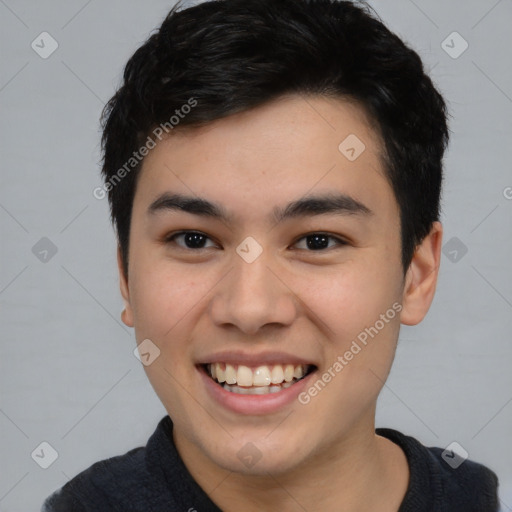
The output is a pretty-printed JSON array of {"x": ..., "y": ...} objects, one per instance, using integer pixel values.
[{"x": 253, "y": 295}]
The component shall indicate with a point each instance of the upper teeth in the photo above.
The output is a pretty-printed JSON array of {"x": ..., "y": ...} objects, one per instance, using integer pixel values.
[{"x": 260, "y": 376}]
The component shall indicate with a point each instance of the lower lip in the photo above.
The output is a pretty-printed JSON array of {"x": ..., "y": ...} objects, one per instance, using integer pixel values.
[{"x": 253, "y": 404}]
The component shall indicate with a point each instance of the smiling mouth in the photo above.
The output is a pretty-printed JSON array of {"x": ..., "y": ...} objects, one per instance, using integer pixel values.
[{"x": 260, "y": 380}]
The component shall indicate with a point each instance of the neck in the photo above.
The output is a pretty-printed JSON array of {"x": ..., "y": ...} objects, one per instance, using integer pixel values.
[{"x": 362, "y": 472}]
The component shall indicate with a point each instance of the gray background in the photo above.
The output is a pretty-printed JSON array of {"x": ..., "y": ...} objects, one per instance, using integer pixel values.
[{"x": 68, "y": 373}]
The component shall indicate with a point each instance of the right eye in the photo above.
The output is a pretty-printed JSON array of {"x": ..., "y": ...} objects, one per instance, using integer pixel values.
[{"x": 193, "y": 240}]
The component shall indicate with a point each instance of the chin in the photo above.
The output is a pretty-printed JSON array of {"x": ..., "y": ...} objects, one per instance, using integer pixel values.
[{"x": 259, "y": 455}]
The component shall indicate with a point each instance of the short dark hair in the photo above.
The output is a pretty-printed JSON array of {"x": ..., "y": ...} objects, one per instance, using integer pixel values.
[{"x": 229, "y": 56}]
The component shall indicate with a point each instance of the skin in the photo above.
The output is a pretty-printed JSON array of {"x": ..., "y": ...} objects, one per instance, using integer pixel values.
[{"x": 192, "y": 303}]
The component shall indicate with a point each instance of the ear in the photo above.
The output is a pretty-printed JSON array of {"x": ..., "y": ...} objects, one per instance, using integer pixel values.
[
  {"x": 127, "y": 314},
  {"x": 421, "y": 277}
]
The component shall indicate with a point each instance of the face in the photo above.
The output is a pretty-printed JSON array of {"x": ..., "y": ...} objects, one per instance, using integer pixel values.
[{"x": 266, "y": 256}]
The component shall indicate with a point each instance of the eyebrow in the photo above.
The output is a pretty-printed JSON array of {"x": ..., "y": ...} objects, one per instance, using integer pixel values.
[{"x": 338, "y": 204}]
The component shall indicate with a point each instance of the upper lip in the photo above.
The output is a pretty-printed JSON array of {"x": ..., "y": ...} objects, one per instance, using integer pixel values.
[{"x": 254, "y": 359}]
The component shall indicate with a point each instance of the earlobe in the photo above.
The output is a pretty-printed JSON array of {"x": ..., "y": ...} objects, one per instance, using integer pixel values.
[
  {"x": 421, "y": 277},
  {"x": 127, "y": 314}
]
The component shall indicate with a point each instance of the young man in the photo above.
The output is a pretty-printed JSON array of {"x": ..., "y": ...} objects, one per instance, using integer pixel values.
[{"x": 274, "y": 171}]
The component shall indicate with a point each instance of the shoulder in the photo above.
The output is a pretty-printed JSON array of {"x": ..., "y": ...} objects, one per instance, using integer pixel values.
[
  {"x": 101, "y": 485},
  {"x": 151, "y": 478},
  {"x": 471, "y": 485},
  {"x": 444, "y": 479}
]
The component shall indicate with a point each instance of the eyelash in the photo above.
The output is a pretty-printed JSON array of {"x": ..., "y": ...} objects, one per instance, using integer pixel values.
[{"x": 339, "y": 241}]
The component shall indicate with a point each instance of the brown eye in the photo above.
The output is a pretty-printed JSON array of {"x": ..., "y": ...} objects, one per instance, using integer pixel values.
[
  {"x": 320, "y": 241},
  {"x": 190, "y": 240}
]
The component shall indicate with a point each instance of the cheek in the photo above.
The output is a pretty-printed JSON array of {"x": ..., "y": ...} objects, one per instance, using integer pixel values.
[
  {"x": 352, "y": 297},
  {"x": 166, "y": 302},
  {"x": 163, "y": 296},
  {"x": 357, "y": 306}
]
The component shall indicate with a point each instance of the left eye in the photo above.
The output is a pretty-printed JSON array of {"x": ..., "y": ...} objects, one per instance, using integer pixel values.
[{"x": 319, "y": 241}]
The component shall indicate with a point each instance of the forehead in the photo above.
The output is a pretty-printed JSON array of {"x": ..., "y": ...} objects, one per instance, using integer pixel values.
[{"x": 288, "y": 148}]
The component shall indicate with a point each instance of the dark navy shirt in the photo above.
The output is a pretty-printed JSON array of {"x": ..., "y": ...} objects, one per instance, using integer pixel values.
[{"x": 155, "y": 479}]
